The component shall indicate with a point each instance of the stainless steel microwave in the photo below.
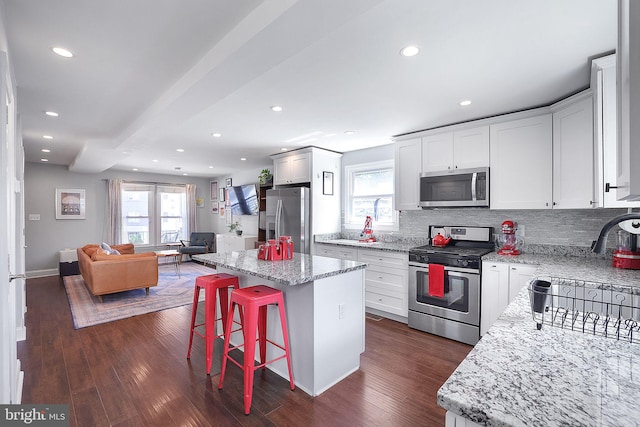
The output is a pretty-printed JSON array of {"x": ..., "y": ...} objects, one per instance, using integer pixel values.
[{"x": 457, "y": 188}]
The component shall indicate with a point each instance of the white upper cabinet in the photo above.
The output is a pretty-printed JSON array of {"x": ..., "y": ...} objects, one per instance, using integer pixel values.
[
  {"x": 437, "y": 152},
  {"x": 628, "y": 101},
  {"x": 292, "y": 169},
  {"x": 407, "y": 174},
  {"x": 471, "y": 148},
  {"x": 521, "y": 163},
  {"x": 603, "y": 85},
  {"x": 573, "y": 165},
  {"x": 462, "y": 149}
]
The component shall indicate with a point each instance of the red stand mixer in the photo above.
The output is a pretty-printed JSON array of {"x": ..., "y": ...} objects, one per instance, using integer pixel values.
[
  {"x": 508, "y": 239},
  {"x": 627, "y": 254},
  {"x": 367, "y": 233}
]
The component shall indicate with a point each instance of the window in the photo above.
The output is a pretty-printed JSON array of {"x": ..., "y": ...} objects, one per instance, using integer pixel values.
[
  {"x": 369, "y": 192},
  {"x": 153, "y": 214}
]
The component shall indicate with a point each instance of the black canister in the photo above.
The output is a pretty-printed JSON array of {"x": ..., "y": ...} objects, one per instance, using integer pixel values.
[{"x": 540, "y": 292}]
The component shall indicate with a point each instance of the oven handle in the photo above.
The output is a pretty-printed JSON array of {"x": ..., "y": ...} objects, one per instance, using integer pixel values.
[{"x": 425, "y": 267}]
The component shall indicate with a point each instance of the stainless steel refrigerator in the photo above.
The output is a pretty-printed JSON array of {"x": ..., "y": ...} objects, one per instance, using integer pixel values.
[{"x": 288, "y": 215}]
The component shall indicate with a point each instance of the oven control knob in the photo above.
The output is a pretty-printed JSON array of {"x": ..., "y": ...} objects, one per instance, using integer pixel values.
[{"x": 463, "y": 262}]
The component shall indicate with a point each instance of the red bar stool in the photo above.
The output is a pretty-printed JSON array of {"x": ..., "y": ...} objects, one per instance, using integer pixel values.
[
  {"x": 253, "y": 301},
  {"x": 212, "y": 285}
]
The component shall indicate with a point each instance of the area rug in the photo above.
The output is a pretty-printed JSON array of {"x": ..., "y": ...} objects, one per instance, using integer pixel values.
[{"x": 171, "y": 291}]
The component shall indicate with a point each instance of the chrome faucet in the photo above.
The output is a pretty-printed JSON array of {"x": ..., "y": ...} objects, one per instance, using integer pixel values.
[{"x": 599, "y": 246}]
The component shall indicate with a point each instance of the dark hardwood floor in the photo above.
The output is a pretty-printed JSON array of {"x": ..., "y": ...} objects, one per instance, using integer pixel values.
[{"x": 134, "y": 372}]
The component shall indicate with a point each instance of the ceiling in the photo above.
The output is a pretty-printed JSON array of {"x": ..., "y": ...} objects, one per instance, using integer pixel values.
[{"x": 153, "y": 76}]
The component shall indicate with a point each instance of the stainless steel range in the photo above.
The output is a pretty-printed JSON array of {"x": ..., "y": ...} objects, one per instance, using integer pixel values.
[{"x": 448, "y": 302}]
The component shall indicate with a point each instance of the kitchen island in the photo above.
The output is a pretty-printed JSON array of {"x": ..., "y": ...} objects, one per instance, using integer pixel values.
[
  {"x": 520, "y": 376},
  {"x": 324, "y": 304}
]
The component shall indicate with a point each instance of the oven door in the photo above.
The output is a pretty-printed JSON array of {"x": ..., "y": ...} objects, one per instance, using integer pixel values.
[{"x": 461, "y": 300}]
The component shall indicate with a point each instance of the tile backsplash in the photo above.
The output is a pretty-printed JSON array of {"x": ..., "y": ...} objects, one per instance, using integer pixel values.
[{"x": 571, "y": 227}]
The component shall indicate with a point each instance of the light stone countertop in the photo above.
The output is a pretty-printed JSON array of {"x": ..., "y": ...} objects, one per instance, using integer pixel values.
[
  {"x": 398, "y": 246},
  {"x": 520, "y": 376},
  {"x": 301, "y": 269}
]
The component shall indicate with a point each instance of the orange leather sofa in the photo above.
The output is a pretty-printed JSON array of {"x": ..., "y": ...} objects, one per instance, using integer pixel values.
[{"x": 107, "y": 274}]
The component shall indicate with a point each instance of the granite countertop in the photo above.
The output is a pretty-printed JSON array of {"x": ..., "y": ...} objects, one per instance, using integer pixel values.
[
  {"x": 301, "y": 269},
  {"x": 400, "y": 246},
  {"x": 589, "y": 269},
  {"x": 520, "y": 376}
]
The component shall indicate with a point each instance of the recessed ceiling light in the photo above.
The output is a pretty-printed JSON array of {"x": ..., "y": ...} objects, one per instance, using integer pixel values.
[
  {"x": 276, "y": 108},
  {"x": 46, "y": 150},
  {"x": 51, "y": 113},
  {"x": 47, "y": 136},
  {"x": 243, "y": 158},
  {"x": 185, "y": 174},
  {"x": 410, "y": 51},
  {"x": 283, "y": 149},
  {"x": 62, "y": 52},
  {"x": 349, "y": 132},
  {"x": 155, "y": 160},
  {"x": 180, "y": 150},
  {"x": 210, "y": 167},
  {"x": 465, "y": 102},
  {"x": 44, "y": 160},
  {"x": 216, "y": 135},
  {"x": 134, "y": 169}
]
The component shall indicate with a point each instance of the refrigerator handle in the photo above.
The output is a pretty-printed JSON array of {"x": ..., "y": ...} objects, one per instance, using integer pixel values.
[{"x": 278, "y": 218}]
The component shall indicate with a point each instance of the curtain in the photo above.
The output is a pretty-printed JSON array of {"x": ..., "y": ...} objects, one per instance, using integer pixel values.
[
  {"x": 191, "y": 207},
  {"x": 114, "y": 210}
]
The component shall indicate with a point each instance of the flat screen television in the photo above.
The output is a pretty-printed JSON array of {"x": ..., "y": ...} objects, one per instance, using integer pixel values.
[{"x": 243, "y": 199}]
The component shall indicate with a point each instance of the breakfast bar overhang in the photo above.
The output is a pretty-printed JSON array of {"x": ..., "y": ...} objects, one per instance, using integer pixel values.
[{"x": 324, "y": 305}]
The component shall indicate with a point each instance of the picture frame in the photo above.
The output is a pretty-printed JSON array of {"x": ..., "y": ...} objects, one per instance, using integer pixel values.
[
  {"x": 214, "y": 208},
  {"x": 214, "y": 191},
  {"x": 199, "y": 202},
  {"x": 228, "y": 182},
  {"x": 327, "y": 183},
  {"x": 221, "y": 196},
  {"x": 70, "y": 203}
]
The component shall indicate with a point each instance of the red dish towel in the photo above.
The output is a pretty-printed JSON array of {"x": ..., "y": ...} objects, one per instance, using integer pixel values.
[{"x": 436, "y": 280}]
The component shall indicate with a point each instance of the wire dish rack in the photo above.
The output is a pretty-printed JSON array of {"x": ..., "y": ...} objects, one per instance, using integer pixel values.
[{"x": 587, "y": 307}]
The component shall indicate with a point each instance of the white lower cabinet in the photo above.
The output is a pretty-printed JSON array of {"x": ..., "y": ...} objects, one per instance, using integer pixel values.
[
  {"x": 386, "y": 281},
  {"x": 232, "y": 242},
  {"x": 501, "y": 282},
  {"x": 386, "y": 276},
  {"x": 340, "y": 252}
]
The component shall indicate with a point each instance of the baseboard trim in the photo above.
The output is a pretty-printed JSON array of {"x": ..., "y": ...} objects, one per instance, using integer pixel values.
[
  {"x": 42, "y": 273},
  {"x": 386, "y": 315}
]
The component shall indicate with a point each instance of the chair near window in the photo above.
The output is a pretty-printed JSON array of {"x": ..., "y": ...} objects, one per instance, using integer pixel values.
[{"x": 198, "y": 243}]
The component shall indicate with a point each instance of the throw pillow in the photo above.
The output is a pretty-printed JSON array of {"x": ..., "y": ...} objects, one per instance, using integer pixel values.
[{"x": 105, "y": 248}]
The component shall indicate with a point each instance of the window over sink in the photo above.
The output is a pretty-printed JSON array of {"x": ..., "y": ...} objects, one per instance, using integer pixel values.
[{"x": 369, "y": 192}]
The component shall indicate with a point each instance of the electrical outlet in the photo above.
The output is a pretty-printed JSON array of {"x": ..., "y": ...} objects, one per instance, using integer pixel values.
[
  {"x": 340, "y": 311},
  {"x": 34, "y": 217}
]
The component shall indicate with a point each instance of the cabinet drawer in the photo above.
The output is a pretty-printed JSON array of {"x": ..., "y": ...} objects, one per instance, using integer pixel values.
[
  {"x": 337, "y": 252},
  {"x": 382, "y": 258},
  {"x": 393, "y": 279},
  {"x": 395, "y": 303}
]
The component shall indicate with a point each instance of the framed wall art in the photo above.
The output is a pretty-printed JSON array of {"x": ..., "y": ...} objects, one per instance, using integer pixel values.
[
  {"x": 70, "y": 203},
  {"x": 327, "y": 183},
  {"x": 214, "y": 191}
]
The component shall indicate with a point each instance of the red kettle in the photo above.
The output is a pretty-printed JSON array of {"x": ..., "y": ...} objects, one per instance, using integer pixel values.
[{"x": 440, "y": 240}]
